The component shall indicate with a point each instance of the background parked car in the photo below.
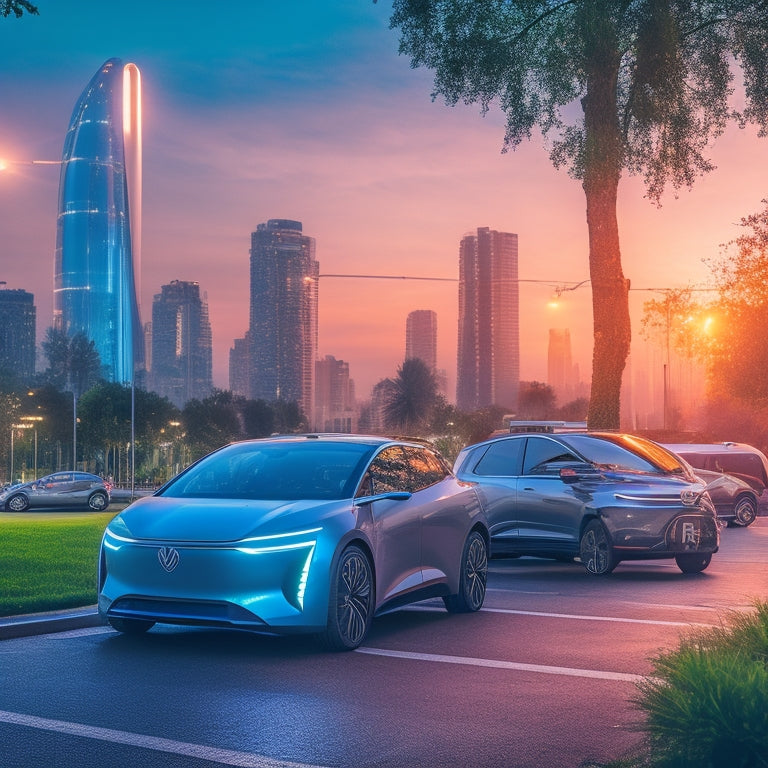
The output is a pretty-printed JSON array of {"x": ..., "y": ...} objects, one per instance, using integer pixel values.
[
  {"x": 313, "y": 533},
  {"x": 736, "y": 502},
  {"x": 61, "y": 489},
  {"x": 602, "y": 497},
  {"x": 737, "y": 459}
]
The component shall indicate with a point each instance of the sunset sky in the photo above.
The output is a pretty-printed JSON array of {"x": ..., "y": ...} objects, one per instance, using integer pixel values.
[{"x": 297, "y": 109}]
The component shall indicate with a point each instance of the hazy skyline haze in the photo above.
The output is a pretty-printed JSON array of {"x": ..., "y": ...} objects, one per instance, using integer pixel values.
[{"x": 305, "y": 111}]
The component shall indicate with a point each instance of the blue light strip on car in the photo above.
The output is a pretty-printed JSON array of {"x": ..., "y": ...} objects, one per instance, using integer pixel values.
[{"x": 303, "y": 579}]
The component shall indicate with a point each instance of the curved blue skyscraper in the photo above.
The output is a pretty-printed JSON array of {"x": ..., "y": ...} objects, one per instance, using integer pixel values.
[{"x": 99, "y": 223}]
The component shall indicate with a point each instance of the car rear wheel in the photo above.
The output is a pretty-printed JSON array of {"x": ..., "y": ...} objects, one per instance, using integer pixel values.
[
  {"x": 693, "y": 562},
  {"x": 474, "y": 575},
  {"x": 130, "y": 626},
  {"x": 351, "y": 601},
  {"x": 17, "y": 503},
  {"x": 98, "y": 501},
  {"x": 745, "y": 510},
  {"x": 595, "y": 549}
]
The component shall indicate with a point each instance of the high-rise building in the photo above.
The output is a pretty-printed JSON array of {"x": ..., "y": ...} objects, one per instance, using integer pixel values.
[
  {"x": 182, "y": 367},
  {"x": 335, "y": 409},
  {"x": 239, "y": 363},
  {"x": 488, "y": 364},
  {"x": 283, "y": 316},
  {"x": 560, "y": 371},
  {"x": 421, "y": 337},
  {"x": 99, "y": 223},
  {"x": 17, "y": 333}
]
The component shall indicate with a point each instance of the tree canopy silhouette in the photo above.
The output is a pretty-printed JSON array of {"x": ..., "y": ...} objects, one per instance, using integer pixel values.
[{"x": 613, "y": 85}]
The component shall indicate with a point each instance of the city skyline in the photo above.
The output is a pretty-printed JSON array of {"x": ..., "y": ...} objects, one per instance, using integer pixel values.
[{"x": 330, "y": 127}]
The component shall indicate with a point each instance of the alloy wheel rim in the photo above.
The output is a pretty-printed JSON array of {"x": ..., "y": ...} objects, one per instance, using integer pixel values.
[
  {"x": 476, "y": 572},
  {"x": 354, "y": 598}
]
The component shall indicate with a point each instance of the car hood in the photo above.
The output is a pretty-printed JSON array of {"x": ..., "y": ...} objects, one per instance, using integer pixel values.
[{"x": 212, "y": 520}]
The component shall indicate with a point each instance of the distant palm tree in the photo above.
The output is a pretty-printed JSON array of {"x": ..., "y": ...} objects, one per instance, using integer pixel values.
[{"x": 411, "y": 397}]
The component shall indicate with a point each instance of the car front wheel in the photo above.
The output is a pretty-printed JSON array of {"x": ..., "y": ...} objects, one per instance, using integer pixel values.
[
  {"x": 17, "y": 503},
  {"x": 473, "y": 578},
  {"x": 98, "y": 501},
  {"x": 745, "y": 510},
  {"x": 693, "y": 562},
  {"x": 595, "y": 549},
  {"x": 351, "y": 601}
]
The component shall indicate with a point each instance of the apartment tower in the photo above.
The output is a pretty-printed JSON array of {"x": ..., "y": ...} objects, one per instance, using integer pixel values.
[
  {"x": 488, "y": 364},
  {"x": 182, "y": 358},
  {"x": 283, "y": 314}
]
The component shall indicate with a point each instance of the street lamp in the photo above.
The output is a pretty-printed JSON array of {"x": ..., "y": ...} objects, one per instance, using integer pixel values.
[
  {"x": 34, "y": 425},
  {"x": 14, "y": 427}
]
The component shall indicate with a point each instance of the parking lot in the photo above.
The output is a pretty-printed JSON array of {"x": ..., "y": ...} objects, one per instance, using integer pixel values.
[{"x": 542, "y": 676}]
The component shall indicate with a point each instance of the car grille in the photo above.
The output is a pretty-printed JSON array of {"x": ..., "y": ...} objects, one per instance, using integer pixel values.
[{"x": 201, "y": 612}]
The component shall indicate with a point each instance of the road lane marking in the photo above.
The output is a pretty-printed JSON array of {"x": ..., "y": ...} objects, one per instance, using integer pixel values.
[
  {"x": 199, "y": 751},
  {"x": 618, "y": 619},
  {"x": 595, "y": 674}
]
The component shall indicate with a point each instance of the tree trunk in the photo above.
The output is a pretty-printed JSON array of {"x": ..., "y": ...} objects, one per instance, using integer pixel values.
[{"x": 610, "y": 298}]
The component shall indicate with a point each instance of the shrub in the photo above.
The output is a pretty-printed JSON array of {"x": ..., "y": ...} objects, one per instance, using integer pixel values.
[{"x": 706, "y": 704}]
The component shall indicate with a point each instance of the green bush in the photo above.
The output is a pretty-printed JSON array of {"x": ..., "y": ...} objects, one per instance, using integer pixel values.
[{"x": 706, "y": 703}]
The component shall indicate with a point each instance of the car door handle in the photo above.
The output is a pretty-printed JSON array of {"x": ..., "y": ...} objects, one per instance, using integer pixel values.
[{"x": 529, "y": 489}]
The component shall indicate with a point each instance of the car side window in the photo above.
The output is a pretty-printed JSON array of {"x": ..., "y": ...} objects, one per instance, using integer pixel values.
[
  {"x": 390, "y": 471},
  {"x": 502, "y": 459},
  {"x": 425, "y": 467},
  {"x": 545, "y": 457}
]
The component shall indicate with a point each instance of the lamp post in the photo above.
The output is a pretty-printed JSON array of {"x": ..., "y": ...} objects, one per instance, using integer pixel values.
[
  {"x": 74, "y": 430},
  {"x": 35, "y": 420}
]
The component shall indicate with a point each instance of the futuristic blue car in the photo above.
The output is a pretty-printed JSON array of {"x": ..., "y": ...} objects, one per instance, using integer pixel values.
[{"x": 311, "y": 533}]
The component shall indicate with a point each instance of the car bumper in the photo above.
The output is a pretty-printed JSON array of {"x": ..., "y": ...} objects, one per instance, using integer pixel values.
[{"x": 278, "y": 588}]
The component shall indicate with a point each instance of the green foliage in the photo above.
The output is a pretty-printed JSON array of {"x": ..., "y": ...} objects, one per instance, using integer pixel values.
[
  {"x": 17, "y": 8},
  {"x": 706, "y": 703},
  {"x": 73, "y": 362},
  {"x": 410, "y": 398},
  {"x": 49, "y": 562}
]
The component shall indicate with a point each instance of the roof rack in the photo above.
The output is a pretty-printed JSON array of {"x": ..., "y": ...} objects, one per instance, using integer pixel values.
[{"x": 545, "y": 426}]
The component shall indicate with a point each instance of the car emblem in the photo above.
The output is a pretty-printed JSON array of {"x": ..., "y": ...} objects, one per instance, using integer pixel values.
[{"x": 168, "y": 557}]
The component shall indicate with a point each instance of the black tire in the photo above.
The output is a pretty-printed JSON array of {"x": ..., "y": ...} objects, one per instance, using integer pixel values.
[
  {"x": 745, "y": 510},
  {"x": 17, "y": 503},
  {"x": 130, "y": 626},
  {"x": 98, "y": 501},
  {"x": 474, "y": 576},
  {"x": 693, "y": 562},
  {"x": 351, "y": 601},
  {"x": 596, "y": 550}
]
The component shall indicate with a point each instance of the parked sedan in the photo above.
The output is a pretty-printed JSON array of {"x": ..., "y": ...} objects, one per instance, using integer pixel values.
[
  {"x": 735, "y": 500},
  {"x": 61, "y": 489},
  {"x": 601, "y": 497},
  {"x": 297, "y": 534}
]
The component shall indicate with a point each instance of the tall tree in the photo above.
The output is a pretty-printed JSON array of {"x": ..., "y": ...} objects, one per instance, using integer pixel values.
[
  {"x": 411, "y": 397},
  {"x": 652, "y": 79},
  {"x": 73, "y": 361}
]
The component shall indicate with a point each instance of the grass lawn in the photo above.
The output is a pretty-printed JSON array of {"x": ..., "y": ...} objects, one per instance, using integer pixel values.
[{"x": 49, "y": 561}]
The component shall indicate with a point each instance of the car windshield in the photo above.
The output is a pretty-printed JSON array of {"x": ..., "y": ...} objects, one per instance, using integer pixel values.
[
  {"x": 625, "y": 452},
  {"x": 275, "y": 470}
]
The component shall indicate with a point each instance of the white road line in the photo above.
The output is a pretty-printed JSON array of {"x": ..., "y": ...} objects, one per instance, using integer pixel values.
[
  {"x": 199, "y": 751},
  {"x": 595, "y": 674},
  {"x": 576, "y": 616}
]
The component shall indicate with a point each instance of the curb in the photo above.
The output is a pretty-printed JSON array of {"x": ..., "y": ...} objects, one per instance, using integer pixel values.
[{"x": 45, "y": 623}]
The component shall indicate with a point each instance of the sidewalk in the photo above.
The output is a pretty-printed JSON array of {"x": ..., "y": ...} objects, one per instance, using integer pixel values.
[{"x": 44, "y": 623}]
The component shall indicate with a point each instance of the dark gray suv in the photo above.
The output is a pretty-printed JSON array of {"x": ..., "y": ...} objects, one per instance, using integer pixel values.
[{"x": 599, "y": 497}]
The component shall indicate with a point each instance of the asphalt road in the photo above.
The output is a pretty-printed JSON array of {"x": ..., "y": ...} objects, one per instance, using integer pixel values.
[{"x": 542, "y": 677}]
